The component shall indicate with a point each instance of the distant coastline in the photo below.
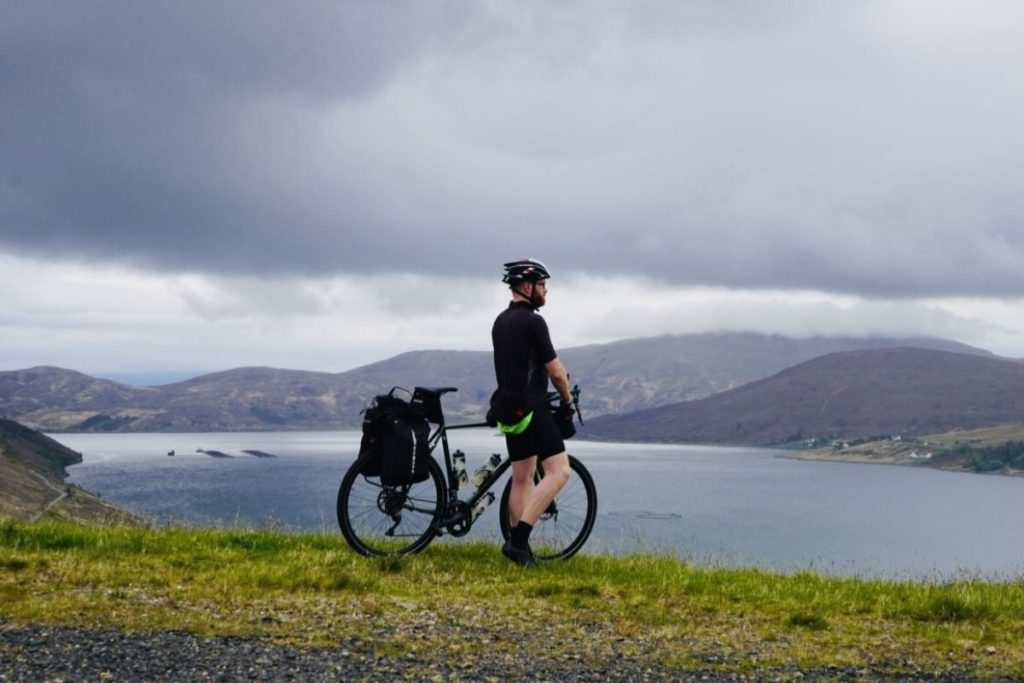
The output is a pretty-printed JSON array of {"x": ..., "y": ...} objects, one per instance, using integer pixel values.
[
  {"x": 821, "y": 455},
  {"x": 954, "y": 451}
]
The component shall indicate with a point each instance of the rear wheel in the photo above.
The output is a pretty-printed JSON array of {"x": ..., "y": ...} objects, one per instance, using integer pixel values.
[
  {"x": 389, "y": 520},
  {"x": 565, "y": 526}
]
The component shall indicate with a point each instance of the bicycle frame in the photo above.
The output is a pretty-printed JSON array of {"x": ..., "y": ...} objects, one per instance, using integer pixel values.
[{"x": 440, "y": 435}]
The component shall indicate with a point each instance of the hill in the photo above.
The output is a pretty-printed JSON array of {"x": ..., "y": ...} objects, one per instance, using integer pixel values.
[
  {"x": 636, "y": 374},
  {"x": 32, "y": 479},
  {"x": 57, "y": 400},
  {"x": 618, "y": 377},
  {"x": 845, "y": 395}
]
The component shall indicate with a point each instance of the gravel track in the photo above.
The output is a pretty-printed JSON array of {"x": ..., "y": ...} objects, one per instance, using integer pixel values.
[
  {"x": 51, "y": 654},
  {"x": 61, "y": 495}
]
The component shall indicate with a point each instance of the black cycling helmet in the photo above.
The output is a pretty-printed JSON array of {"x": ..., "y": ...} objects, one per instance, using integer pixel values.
[{"x": 524, "y": 270}]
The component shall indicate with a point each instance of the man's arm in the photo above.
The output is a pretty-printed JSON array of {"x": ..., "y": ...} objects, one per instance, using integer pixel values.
[{"x": 559, "y": 377}]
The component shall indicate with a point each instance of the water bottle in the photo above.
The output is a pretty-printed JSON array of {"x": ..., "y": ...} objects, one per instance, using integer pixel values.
[
  {"x": 482, "y": 504},
  {"x": 484, "y": 471},
  {"x": 459, "y": 466}
]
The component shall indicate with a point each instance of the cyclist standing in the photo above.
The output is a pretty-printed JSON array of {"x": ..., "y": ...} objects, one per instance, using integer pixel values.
[{"x": 524, "y": 361}]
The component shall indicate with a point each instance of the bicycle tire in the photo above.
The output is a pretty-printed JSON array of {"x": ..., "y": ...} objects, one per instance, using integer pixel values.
[
  {"x": 389, "y": 520},
  {"x": 563, "y": 529}
]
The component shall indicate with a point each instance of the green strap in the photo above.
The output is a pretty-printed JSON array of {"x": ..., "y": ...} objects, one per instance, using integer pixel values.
[{"x": 518, "y": 427}]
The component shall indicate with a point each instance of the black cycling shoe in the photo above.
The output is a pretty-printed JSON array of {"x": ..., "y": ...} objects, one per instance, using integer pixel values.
[{"x": 521, "y": 556}]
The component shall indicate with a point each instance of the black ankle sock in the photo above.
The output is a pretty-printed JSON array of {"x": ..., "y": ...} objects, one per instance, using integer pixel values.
[{"x": 521, "y": 534}]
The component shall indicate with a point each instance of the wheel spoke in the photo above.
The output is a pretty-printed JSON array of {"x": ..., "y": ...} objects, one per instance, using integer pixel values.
[
  {"x": 565, "y": 526},
  {"x": 387, "y": 520}
]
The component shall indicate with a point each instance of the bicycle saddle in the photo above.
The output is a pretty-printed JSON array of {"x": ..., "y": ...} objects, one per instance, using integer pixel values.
[
  {"x": 437, "y": 392},
  {"x": 430, "y": 399}
]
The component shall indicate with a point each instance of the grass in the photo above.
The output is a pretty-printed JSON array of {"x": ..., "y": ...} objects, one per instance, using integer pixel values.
[
  {"x": 460, "y": 599},
  {"x": 984, "y": 436}
]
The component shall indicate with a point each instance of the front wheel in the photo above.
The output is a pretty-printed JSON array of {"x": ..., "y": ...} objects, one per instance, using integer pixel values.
[
  {"x": 389, "y": 520},
  {"x": 564, "y": 527}
]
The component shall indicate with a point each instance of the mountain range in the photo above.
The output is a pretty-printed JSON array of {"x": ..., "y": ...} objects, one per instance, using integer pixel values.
[
  {"x": 853, "y": 394},
  {"x": 620, "y": 377}
]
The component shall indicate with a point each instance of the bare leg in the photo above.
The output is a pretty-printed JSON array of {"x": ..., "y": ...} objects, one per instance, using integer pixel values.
[
  {"x": 556, "y": 476},
  {"x": 522, "y": 487}
]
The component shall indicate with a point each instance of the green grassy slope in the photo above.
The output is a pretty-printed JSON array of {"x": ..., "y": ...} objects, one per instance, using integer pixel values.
[{"x": 454, "y": 600}]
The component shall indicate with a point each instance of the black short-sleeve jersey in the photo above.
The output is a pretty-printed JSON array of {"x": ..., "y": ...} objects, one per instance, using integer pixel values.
[{"x": 522, "y": 347}]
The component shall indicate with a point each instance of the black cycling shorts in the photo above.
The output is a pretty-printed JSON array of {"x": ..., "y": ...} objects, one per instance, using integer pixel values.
[{"x": 542, "y": 438}]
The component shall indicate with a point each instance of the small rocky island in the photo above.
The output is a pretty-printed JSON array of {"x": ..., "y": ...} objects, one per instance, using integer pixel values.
[
  {"x": 259, "y": 454},
  {"x": 214, "y": 454}
]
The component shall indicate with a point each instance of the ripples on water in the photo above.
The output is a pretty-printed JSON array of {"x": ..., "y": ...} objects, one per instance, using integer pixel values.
[{"x": 722, "y": 506}]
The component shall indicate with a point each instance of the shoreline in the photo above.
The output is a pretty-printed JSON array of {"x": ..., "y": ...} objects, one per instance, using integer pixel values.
[{"x": 826, "y": 455}]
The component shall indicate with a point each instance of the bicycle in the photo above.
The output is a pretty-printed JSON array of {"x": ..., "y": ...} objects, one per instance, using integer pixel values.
[{"x": 376, "y": 519}]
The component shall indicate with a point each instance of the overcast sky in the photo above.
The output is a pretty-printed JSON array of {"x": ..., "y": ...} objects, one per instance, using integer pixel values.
[{"x": 193, "y": 186}]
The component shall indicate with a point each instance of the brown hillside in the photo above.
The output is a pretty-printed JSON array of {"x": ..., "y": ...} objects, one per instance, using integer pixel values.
[
  {"x": 39, "y": 451},
  {"x": 846, "y": 395},
  {"x": 32, "y": 480}
]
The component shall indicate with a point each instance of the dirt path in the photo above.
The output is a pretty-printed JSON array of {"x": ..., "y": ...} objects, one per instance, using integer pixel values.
[
  {"x": 61, "y": 495},
  {"x": 52, "y": 653}
]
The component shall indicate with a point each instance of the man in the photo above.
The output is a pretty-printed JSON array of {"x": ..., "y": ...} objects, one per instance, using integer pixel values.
[{"x": 524, "y": 361}]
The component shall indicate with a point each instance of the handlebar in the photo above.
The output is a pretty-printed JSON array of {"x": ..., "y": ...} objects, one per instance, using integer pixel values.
[{"x": 555, "y": 397}]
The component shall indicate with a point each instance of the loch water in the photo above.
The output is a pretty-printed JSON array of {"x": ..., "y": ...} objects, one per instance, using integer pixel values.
[{"x": 709, "y": 505}]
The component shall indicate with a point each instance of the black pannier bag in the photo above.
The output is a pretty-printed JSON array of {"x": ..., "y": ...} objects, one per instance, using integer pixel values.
[{"x": 395, "y": 439}]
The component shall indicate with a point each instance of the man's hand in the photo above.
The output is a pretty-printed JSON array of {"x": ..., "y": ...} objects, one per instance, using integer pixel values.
[{"x": 563, "y": 418}]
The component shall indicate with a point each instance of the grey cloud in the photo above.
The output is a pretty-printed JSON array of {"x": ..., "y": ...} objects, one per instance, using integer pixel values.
[
  {"x": 119, "y": 118},
  {"x": 836, "y": 146}
]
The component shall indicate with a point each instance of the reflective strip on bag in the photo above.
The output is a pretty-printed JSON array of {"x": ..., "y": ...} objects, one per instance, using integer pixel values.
[{"x": 518, "y": 427}]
